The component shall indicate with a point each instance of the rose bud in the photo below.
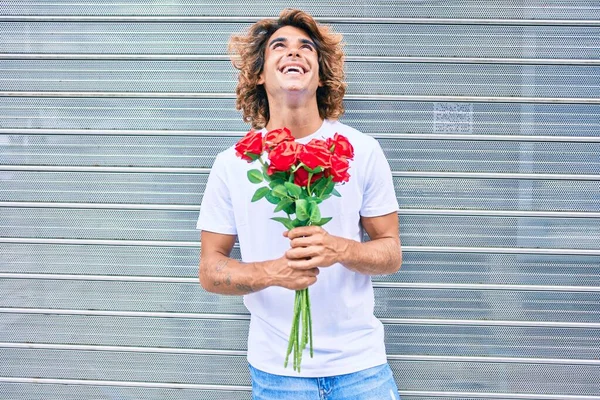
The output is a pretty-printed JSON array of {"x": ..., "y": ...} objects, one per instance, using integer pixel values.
[
  {"x": 276, "y": 136},
  {"x": 341, "y": 146},
  {"x": 249, "y": 147},
  {"x": 283, "y": 156},
  {"x": 315, "y": 154}
]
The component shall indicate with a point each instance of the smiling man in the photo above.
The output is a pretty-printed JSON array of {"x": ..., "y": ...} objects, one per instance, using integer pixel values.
[{"x": 291, "y": 75}]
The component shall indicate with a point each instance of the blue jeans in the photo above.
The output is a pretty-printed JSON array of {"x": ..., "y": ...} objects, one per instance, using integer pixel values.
[{"x": 375, "y": 383}]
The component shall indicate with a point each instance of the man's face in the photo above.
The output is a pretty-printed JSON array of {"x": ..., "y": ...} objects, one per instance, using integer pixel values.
[{"x": 291, "y": 63}]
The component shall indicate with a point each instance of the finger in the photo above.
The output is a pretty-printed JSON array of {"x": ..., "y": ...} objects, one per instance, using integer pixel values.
[
  {"x": 302, "y": 252},
  {"x": 305, "y": 241},
  {"x": 304, "y": 264},
  {"x": 304, "y": 231}
]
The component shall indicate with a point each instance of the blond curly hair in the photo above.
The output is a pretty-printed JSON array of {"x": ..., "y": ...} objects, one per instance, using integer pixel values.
[{"x": 248, "y": 52}]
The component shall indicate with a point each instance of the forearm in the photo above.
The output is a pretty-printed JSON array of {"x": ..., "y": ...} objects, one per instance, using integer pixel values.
[
  {"x": 382, "y": 256},
  {"x": 223, "y": 275}
]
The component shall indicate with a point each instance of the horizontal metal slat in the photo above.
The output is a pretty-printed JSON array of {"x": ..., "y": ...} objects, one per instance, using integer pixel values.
[
  {"x": 80, "y": 388},
  {"x": 96, "y": 78},
  {"x": 126, "y": 384},
  {"x": 391, "y": 304},
  {"x": 369, "y": 59},
  {"x": 418, "y": 267},
  {"x": 403, "y": 211},
  {"x": 383, "y": 117},
  {"x": 371, "y": 97},
  {"x": 239, "y": 134},
  {"x": 323, "y": 20},
  {"x": 414, "y": 375},
  {"x": 389, "y": 285},
  {"x": 170, "y": 350},
  {"x": 417, "y": 230},
  {"x": 426, "y": 9},
  {"x": 49, "y": 189},
  {"x": 390, "y": 321},
  {"x": 406, "y": 154},
  {"x": 192, "y": 244},
  {"x": 422, "y": 174},
  {"x": 414, "y": 339},
  {"x": 205, "y": 40}
]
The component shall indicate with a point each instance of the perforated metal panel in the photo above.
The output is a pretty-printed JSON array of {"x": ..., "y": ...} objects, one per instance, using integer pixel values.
[
  {"x": 210, "y": 38},
  {"x": 111, "y": 115}
]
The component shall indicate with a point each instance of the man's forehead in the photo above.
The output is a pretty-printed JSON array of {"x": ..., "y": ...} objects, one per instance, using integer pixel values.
[
  {"x": 289, "y": 32},
  {"x": 285, "y": 39}
]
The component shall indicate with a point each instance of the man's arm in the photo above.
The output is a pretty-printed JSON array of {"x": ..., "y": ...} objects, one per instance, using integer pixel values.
[
  {"x": 221, "y": 274},
  {"x": 313, "y": 247}
]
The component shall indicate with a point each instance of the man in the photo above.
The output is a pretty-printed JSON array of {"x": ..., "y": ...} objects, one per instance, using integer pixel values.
[{"x": 291, "y": 75}]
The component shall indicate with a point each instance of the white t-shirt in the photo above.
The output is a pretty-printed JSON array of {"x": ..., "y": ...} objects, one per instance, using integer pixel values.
[{"x": 346, "y": 335}]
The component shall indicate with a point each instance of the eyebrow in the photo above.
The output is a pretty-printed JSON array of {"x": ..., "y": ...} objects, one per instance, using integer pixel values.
[{"x": 282, "y": 39}]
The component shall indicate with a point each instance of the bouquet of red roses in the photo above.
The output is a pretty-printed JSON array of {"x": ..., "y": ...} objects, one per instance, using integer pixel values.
[{"x": 299, "y": 177}]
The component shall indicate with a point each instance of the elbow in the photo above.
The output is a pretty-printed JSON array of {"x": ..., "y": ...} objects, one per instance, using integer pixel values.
[
  {"x": 397, "y": 260},
  {"x": 204, "y": 277}
]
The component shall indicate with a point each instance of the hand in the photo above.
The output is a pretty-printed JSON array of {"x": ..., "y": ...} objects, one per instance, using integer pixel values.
[
  {"x": 313, "y": 246},
  {"x": 280, "y": 274}
]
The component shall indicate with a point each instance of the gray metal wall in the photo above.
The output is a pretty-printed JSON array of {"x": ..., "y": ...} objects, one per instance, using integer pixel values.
[{"x": 111, "y": 115}]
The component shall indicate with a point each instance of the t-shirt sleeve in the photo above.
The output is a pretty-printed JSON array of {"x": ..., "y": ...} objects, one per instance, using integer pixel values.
[
  {"x": 216, "y": 210},
  {"x": 379, "y": 196}
]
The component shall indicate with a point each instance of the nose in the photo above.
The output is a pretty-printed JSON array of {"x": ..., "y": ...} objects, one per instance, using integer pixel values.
[{"x": 293, "y": 51}]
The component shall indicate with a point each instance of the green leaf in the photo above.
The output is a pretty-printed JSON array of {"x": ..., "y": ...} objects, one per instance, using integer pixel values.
[
  {"x": 329, "y": 188},
  {"x": 280, "y": 191},
  {"x": 272, "y": 199},
  {"x": 283, "y": 204},
  {"x": 283, "y": 176},
  {"x": 291, "y": 209},
  {"x": 260, "y": 193},
  {"x": 336, "y": 193},
  {"x": 276, "y": 182},
  {"x": 315, "y": 214},
  {"x": 296, "y": 223},
  {"x": 255, "y": 176},
  {"x": 302, "y": 210},
  {"x": 285, "y": 221},
  {"x": 252, "y": 156},
  {"x": 293, "y": 189},
  {"x": 266, "y": 175},
  {"x": 318, "y": 187},
  {"x": 322, "y": 221}
]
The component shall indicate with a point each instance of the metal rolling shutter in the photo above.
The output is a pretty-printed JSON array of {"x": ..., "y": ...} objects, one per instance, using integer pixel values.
[{"x": 111, "y": 115}]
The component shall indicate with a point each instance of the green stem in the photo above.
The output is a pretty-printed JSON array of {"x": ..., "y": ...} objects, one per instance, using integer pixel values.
[
  {"x": 309, "y": 323},
  {"x": 298, "y": 351},
  {"x": 292, "y": 333}
]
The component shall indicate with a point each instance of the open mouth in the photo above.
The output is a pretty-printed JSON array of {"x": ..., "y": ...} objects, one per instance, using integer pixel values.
[{"x": 292, "y": 70}]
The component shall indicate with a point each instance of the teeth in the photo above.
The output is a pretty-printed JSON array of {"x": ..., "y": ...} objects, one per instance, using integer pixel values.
[{"x": 293, "y": 69}]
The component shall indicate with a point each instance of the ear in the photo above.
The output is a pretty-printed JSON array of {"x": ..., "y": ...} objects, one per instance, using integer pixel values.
[{"x": 261, "y": 78}]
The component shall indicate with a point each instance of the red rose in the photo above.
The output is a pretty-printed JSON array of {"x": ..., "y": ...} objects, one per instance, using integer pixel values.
[
  {"x": 301, "y": 177},
  {"x": 339, "y": 169},
  {"x": 341, "y": 146},
  {"x": 276, "y": 136},
  {"x": 283, "y": 156},
  {"x": 249, "y": 144},
  {"x": 315, "y": 154}
]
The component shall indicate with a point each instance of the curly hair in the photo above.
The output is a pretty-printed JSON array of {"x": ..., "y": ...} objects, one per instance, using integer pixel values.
[{"x": 248, "y": 52}]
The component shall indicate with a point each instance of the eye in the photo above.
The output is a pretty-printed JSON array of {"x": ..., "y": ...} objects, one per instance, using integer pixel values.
[
  {"x": 277, "y": 45},
  {"x": 307, "y": 46}
]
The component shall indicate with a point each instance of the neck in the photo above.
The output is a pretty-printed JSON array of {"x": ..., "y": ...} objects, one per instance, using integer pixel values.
[{"x": 301, "y": 120}]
